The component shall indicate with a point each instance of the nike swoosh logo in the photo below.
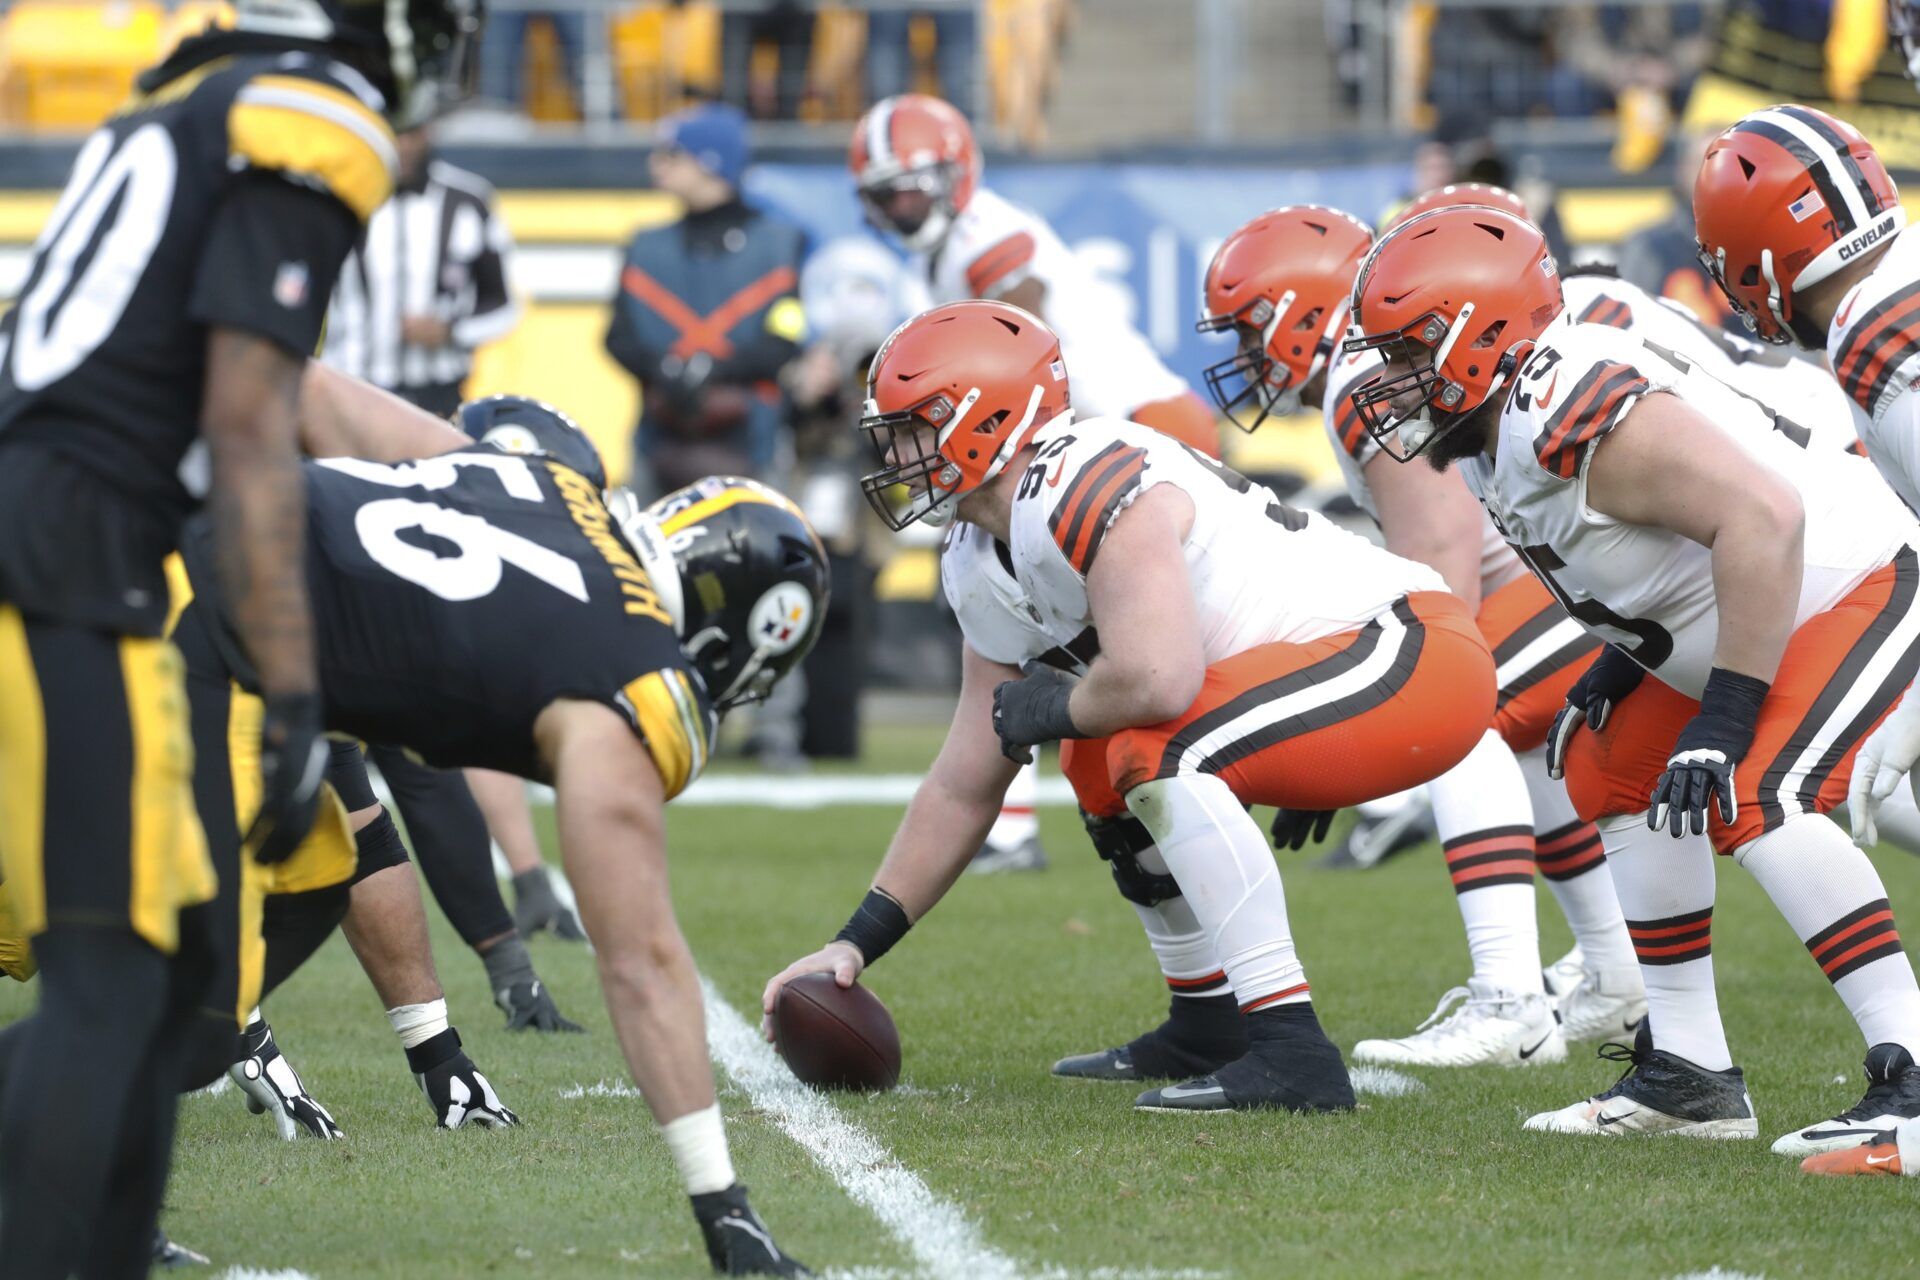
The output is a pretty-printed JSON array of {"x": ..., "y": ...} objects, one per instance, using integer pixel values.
[
  {"x": 1880, "y": 1160},
  {"x": 1528, "y": 1053},
  {"x": 1545, "y": 398},
  {"x": 1604, "y": 1120},
  {"x": 1053, "y": 481},
  {"x": 1173, "y": 1093},
  {"x": 1840, "y": 321}
]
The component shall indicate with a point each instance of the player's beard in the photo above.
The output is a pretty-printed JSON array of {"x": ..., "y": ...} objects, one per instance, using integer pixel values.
[{"x": 1464, "y": 437}]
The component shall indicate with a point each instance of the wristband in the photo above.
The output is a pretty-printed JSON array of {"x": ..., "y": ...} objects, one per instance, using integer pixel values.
[
  {"x": 1734, "y": 696},
  {"x": 876, "y": 925}
]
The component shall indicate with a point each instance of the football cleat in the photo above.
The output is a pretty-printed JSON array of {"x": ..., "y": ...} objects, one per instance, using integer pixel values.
[
  {"x": 1290, "y": 1065},
  {"x": 169, "y": 1256},
  {"x": 1370, "y": 841},
  {"x": 1489, "y": 1025},
  {"x": 1891, "y": 1153},
  {"x": 1199, "y": 1036},
  {"x": 271, "y": 1085},
  {"x": 1564, "y": 974},
  {"x": 1602, "y": 1005},
  {"x": 738, "y": 1242},
  {"x": 1660, "y": 1093},
  {"x": 1026, "y": 855},
  {"x": 1893, "y": 1095},
  {"x": 528, "y": 1004}
]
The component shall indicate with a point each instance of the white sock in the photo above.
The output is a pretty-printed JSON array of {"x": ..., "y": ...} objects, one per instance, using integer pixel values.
[
  {"x": 1833, "y": 898},
  {"x": 699, "y": 1144},
  {"x": 1666, "y": 891},
  {"x": 1182, "y": 947},
  {"x": 1899, "y": 817},
  {"x": 416, "y": 1024},
  {"x": 1017, "y": 822},
  {"x": 1227, "y": 874},
  {"x": 1572, "y": 860},
  {"x": 1486, "y": 828}
]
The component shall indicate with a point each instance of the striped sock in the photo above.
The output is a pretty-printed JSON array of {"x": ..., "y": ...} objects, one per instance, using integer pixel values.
[
  {"x": 1492, "y": 872},
  {"x": 1665, "y": 887},
  {"x": 1572, "y": 857},
  {"x": 1833, "y": 898}
]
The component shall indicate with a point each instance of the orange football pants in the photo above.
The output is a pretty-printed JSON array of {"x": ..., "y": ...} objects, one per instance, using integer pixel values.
[
  {"x": 1320, "y": 725},
  {"x": 1514, "y": 619},
  {"x": 1843, "y": 672},
  {"x": 1186, "y": 418}
]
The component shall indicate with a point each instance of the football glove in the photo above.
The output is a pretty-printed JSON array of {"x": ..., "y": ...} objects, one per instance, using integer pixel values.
[
  {"x": 1601, "y": 687},
  {"x": 738, "y": 1243},
  {"x": 1700, "y": 771},
  {"x": 1885, "y": 757},
  {"x": 527, "y": 1004},
  {"x": 293, "y": 762},
  {"x": 271, "y": 1085},
  {"x": 455, "y": 1089},
  {"x": 1297, "y": 828},
  {"x": 1032, "y": 710}
]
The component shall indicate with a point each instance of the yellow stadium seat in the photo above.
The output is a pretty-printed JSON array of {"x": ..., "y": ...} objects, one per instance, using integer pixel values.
[
  {"x": 660, "y": 51},
  {"x": 68, "y": 65}
]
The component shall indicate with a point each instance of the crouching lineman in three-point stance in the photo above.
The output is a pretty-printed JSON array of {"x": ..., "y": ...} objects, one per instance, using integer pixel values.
[
  {"x": 1761, "y": 604},
  {"x": 1230, "y": 651}
]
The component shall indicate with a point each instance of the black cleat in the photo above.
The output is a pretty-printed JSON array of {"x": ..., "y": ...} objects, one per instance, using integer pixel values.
[
  {"x": 1893, "y": 1095},
  {"x": 1198, "y": 1037},
  {"x": 1660, "y": 1093},
  {"x": 738, "y": 1243},
  {"x": 1289, "y": 1065}
]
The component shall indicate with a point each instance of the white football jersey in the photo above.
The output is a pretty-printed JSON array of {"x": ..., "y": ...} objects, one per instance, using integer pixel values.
[
  {"x": 994, "y": 245},
  {"x": 1644, "y": 588},
  {"x": 1354, "y": 447},
  {"x": 1261, "y": 570},
  {"x": 1873, "y": 345}
]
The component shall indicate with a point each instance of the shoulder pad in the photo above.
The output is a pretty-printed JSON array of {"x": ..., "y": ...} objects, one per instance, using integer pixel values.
[
  {"x": 1084, "y": 489},
  {"x": 302, "y": 119},
  {"x": 1571, "y": 392}
]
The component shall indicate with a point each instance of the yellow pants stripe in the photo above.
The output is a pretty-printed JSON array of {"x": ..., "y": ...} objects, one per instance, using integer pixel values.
[
  {"x": 171, "y": 868},
  {"x": 23, "y": 776}
]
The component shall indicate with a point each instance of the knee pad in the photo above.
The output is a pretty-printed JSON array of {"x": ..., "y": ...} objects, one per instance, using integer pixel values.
[
  {"x": 379, "y": 846},
  {"x": 1119, "y": 841}
]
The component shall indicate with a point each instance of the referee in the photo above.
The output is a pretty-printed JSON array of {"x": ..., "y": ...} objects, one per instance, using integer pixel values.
[{"x": 426, "y": 286}]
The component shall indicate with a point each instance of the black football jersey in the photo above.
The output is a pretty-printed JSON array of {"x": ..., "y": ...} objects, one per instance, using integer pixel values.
[
  {"x": 454, "y": 598},
  {"x": 225, "y": 192}
]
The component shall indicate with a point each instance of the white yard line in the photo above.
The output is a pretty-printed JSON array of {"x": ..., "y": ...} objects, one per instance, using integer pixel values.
[
  {"x": 256, "y": 1273},
  {"x": 1384, "y": 1082}
]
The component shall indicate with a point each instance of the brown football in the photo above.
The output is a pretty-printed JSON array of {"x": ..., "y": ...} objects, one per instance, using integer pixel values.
[{"x": 835, "y": 1037}]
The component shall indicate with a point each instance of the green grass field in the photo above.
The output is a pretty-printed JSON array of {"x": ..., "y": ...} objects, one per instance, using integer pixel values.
[{"x": 1063, "y": 1178}]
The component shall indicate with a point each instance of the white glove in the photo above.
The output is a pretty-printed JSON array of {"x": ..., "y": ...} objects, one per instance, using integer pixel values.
[
  {"x": 1885, "y": 757},
  {"x": 270, "y": 1084}
]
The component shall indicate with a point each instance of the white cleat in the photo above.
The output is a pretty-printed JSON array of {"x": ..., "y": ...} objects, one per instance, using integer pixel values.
[
  {"x": 1603, "y": 1005},
  {"x": 1564, "y": 974},
  {"x": 1659, "y": 1094},
  {"x": 1494, "y": 1025}
]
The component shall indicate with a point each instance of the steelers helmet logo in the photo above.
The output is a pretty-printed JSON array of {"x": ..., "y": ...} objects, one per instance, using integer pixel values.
[
  {"x": 511, "y": 437},
  {"x": 781, "y": 618}
]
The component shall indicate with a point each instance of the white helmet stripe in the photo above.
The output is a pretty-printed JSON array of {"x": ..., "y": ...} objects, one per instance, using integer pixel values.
[
  {"x": 880, "y": 135},
  {"x": 1838, "y": 175}
]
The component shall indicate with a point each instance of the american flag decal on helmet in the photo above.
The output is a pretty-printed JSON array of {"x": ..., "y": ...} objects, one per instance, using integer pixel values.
[{"x": 1806, "y": 206}]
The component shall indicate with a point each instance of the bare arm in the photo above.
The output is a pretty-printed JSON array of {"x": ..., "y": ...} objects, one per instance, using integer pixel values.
[
  {"x": 1668, "y": 466},
  {"x": 343, "y": 417},
  {"x": 613, "y": 838},
  {"x": 258, "y": 504},
  {"x": 1430, "y": 516},
  {"x": 503, "y": 803},
  {"x": 1151, "y": 661}
]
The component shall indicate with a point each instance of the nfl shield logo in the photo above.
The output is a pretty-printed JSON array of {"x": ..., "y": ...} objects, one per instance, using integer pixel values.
[
  {"x": 290, "y": 284},
  {"x": 1806, "y": 206}
]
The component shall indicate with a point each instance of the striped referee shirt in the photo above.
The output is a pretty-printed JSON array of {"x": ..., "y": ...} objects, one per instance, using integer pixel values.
[{"x": 440, "y": 250}]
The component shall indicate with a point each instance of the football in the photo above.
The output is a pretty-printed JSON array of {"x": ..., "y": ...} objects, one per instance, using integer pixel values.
[{"x": 835, "y": 1037}]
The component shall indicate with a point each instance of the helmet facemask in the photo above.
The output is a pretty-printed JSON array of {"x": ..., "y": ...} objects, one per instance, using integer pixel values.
[
  {"x": 1251, "y": 385},
  {"x": 907, "y": 445},
  {"x": 1421, "y": 350},
  {"x": 936, "y": 182}
]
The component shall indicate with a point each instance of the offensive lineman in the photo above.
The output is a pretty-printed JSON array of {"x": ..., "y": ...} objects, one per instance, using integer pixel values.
[
  {"x": 1771, "y": 591},
  {"x": 175, "y": 292},
  {"x": 1230, "y": 650}
]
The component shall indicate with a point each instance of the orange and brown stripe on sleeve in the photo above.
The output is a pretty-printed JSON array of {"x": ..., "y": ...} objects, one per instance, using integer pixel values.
[
  {"x": 1855, "y": 939},
  {"x": 1879, "y": 342},
  {"x": 1592, "y": 408},
  {"x": 1094, "y": 496},
  {"x": 998, "y": 262},
  {"x": 1607, "y": 311},
  {"x": 1351, "y": 428}
]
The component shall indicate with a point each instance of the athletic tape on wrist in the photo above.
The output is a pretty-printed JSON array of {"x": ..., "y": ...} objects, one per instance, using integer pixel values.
[
  {"x": 875, "y": 926},
  {"x": 698, "y": 1141},
  {"x": 416, "y": 1024}
]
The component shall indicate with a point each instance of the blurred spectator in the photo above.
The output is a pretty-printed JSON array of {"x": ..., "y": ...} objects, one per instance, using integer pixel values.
[
  {"x": 1662, "y": 259},
  {"x": 427, "y": 284},
  {"x": 503, "y": 51},
  {"x": 1490, "y": 64},
  {"x": 1439, "y": 161},
  {"x": 1640, "y": 59},
  {"x": 705, "y": 316},
  {"x": 956, "y": 51},
  {"x": 788, "y": 26}
]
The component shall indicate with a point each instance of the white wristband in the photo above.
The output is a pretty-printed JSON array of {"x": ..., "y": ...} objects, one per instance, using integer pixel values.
[
  {"x": 699, "y": 1145},
  {"x": 416, "y": 1024}
]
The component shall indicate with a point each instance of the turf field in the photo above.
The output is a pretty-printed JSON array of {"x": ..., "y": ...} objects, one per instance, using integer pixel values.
[{"x": 1023, "y": 1174}]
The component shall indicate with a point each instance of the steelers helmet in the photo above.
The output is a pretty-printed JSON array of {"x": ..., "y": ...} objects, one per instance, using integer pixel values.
[
  {"x": 743, "y": 575},
  {"x": 420, "y": 54},
  {"x": 516, "y": 424}
]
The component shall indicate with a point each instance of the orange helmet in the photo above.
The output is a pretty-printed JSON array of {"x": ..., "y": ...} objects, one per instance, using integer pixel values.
[
  {"x": 915, "y": 164},
  {"x": 951, "y": 397},
  {"x": 1460, "y": 295},
  {"x": 1281, "y": 283},
  {"x": 1785, "y": 198},
  {"x": 1458, "y": 193}
]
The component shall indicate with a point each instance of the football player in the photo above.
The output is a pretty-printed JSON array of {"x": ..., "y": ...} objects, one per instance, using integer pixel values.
[
  {"x": 563, "y": 642},
  {"x": 1760, "y": 600},
  {"x": 1195, "y": 645},
  {"x": 153, "y": 360},
  {"x": 917, "y": 170},
  {"x": 1281, "y": 285},
  {"x": 1801, "y": 225}
]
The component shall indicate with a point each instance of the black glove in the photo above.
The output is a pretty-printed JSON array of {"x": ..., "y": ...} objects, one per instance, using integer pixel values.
[
  {"x": 1700, "y": 770},
  {"x": 455, "y": 1089},
  {"x": 738, "y": 1243},
  {"x": 293, "y": 762},
  {"x": 1032, "y": 710},
  {"x": 1297, "y": 828},
  {"x": 528, "y": 1004},
  {"x": 1601, "y": 687}
]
